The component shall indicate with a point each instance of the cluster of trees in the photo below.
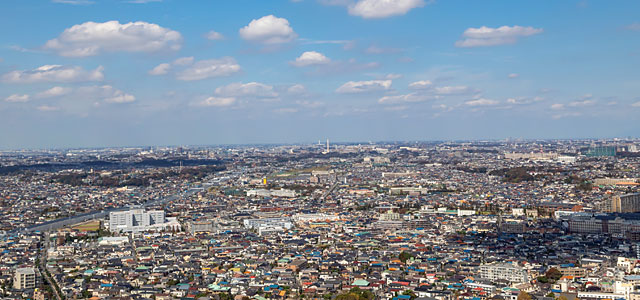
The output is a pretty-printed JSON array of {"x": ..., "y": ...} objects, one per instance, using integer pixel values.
[
  {"x": 551, "y": 276},
  {"x": 513, "y": 175},
  {"x": 356, "y": 294},
  {"x": 120, "y": 180}
]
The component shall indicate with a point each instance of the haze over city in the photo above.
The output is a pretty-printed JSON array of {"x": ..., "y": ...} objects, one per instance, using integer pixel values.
[{"x": 84, "y": 73}]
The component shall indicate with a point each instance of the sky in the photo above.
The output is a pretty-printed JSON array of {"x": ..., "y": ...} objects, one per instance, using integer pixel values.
[{"x": 96, "y": 73}]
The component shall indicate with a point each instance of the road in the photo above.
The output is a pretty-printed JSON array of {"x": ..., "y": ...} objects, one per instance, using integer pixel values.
[{"x": 42, "y": 268}]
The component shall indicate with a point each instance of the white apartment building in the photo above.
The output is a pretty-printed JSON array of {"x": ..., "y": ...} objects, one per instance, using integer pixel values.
[
  {"x": 24, "y": 278},
  {"x": 136, "y": 220},
  {"x": 503, "y": 271}
]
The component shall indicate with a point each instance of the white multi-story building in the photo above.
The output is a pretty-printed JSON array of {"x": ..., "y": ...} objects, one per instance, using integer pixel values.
[
  {"x": 503, "y": 271},
  {"x": 136, "y": 220},
  {"x": 24, "y": 278},
  {"x": 268, "y": 224}
]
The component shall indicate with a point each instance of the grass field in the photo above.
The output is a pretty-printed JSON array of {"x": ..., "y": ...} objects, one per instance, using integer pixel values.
[{"x": 88, "y": 226}]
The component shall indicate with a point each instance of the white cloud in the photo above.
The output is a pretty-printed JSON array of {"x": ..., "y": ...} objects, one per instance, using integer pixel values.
[
  {"x": 164, "y": 68},
  {"x": 17, "y": 98},
  {"x": 120, "y": 97},
  {"x": 217, "y": 101},
  {"x": 209, "y": 68},
  {"x": 524, "y": 100},
  {"x": 251, "y": 89},
  {"x": 393, "y": 76},
  {"x": 183, "y": 61},
  {"x": 55, "y": 91},
  {"x": 487, "y": 36},
  {"x": 637, "y": 104},
  {"x": 364, "y": 86},
  {"x": 91, "y": 38},
  {"x": 160, "y": 69},
  {"x": 412, "y": 97},
  {"x": 268, "y": 30},
  {"x": 310, "y": 58},
  {"x": 47, "y": 108},
  {"x": 214, "y": 36},
  {"x": 421, "y": 85},
  {"x": 297, "y": 89},
  {"x": 557, "y": 106},
  {"x": 54, "y": 73},
  {"x": 513, "y": 75},
  {"x": 452, "y": 90},
  {"x": 586, "y": 102},
  {"x": 481, "y": 102},
  {"x": 567, "y": 114},
  {"x": 374, "y": 9},
  {"x": 105, "y": 93}
]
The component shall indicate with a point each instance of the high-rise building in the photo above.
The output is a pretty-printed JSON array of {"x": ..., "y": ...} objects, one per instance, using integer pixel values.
[
  {"x": 135, "y": 220},
  {"x": 24, "y": 278},
  {"x": 629, "y": 203}
]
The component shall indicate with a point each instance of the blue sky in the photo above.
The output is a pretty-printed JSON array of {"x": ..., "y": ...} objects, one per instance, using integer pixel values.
[{"x": 83, "y": 73}]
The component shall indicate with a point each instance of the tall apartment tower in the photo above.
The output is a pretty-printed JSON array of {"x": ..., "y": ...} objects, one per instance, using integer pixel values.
[
  {"x": 628, "y": 203},
  {"x": 24, "y": 278}
]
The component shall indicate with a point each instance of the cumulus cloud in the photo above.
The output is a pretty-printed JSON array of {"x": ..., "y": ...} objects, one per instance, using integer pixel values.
[
  {"x": 637, "y": 104},
  {"x": 268, "y": 30},
  {"x": 513, "y": 75},
  {"x": 296, "y": 89},
  {"x": 251, "y": 89},
  {"x": 487, "y": 36},
  {"x": 160, "y": 69},
  {"x": 566, "y": 115},
  {"x": 106, "y": 93},
  {"x": 481, "y": 102},
  {"x": 17, "y": 98},
  {"x": 352, "y": 87},
  {"x": 183, "y": 61},
  {"x": 217, "y": 101},
  {"x": 164, "y": 68},
  {"x": 91, "y": 38},
  {"x": 524, "y": 100},
  {"x": 55, "y": 91},
  {"x": 557, "y": 106},
  {"x": 214, "y": 36},
  {"x": 452, "y": 90},
  {"x": 412, "y": 97},
  {"x": 54, "y": 73},
  {"x": 209, "y": 68},
  {"x": 421, "y": 85},
  {"x": 376, "y": 9},
  {"x": 310, "y": 58}
]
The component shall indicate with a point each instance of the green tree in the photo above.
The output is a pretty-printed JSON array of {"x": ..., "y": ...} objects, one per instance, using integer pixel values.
[
  {"x": 404, "y": 256},
  {"x": 553, "y": 274}
]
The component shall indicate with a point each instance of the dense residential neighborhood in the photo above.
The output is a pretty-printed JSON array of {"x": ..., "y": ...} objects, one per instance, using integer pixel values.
[{"x": 506, "y": 220}]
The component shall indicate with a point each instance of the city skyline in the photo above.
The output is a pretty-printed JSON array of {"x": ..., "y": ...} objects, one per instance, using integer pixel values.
[{"x": 81, "y": 73}]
